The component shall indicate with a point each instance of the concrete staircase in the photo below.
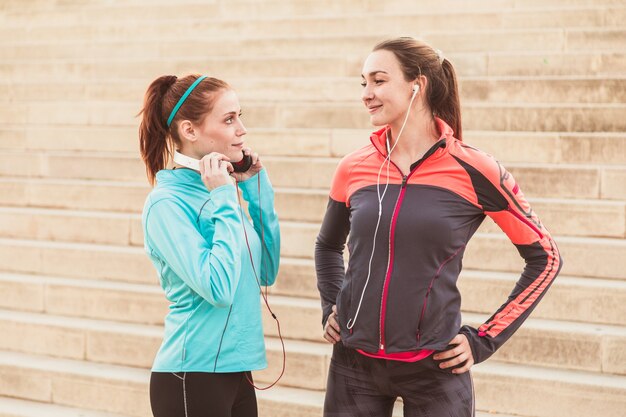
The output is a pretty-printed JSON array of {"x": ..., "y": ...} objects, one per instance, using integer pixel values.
[{"x": 543, "y": 88}]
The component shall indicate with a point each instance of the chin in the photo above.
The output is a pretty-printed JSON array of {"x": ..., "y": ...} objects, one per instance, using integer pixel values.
[
  {"x": 377, "y": 120},
  {"x": 235, "y": 155}
]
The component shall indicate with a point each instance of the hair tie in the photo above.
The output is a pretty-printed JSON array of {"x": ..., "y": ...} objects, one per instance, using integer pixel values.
[
  {"x": 440, "y": 56},
  {"x": 182, "y": 99}
]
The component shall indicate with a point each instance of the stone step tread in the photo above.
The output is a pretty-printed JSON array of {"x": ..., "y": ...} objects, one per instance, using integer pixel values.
[
  {"x": 17, "y": 22},
  {"x": 120, "y": 373},
  {"x": 320, "y": 192},
  {"x": 47, "y": 319},
  {"x": 589, "y": 62},
  {"x": 81, "y": 283},
  {"x": 547, "y": 54},
  {"x": 134, "y": 156},
  {"x": 12, "y": 407},
  {"x": 322, "y": 37},
  {"x": 340, "y": 104},
  {"x": 132, "y": 81},
  {"x": 617, "y": 285},
  {"x": 48, "y": 254},
  {"x": 310, "y": 226},
  {"x": 469, "y": 134},
  {"x": 277, "y": 158}
]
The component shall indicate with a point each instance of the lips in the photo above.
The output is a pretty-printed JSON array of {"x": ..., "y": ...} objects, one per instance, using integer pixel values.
[
  {"x": 238, "y": 145},
  {"x": 374, "y": 109}
]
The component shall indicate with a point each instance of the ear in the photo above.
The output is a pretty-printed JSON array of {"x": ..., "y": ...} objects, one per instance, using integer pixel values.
[
  {"x": 186, "y": 131},
  {"x": 422, "y": 81}
]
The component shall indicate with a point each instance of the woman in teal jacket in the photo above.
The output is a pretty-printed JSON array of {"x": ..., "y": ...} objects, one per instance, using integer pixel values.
[{"x": 210, "y": 258}]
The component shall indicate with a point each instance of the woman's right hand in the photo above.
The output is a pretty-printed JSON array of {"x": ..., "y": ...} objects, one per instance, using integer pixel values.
[
  {"x": 214, "y": 170},
  {"x": 332, "y": 331}
]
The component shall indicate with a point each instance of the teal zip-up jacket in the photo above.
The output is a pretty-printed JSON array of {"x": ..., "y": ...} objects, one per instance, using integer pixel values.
[{"x": 196, "y": 242}]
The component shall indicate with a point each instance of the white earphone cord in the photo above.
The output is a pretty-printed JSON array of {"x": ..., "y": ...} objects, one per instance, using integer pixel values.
[{"x": 387, "y": 161}]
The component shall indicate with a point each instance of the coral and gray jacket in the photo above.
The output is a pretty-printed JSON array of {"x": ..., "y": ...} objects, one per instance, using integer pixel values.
[{"x": 412, "y": 302}]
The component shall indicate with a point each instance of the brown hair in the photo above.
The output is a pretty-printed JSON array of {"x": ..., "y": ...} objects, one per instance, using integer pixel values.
[
  {"x": 156, "y": 138},
  {"x": 442, "y": 92}
]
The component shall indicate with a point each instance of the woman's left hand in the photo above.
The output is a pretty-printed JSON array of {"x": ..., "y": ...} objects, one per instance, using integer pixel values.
[
  {"x": 461, "y": 353},
  {"x": 254, "y": 168}
]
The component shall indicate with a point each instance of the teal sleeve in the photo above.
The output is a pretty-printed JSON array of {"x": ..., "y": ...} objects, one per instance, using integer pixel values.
[
  {"x": 210, "y": 268},
  {"x": 262, "y": 205}
]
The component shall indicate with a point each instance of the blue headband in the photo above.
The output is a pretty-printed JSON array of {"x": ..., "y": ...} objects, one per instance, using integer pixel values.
[{"x": 182, "y": 99}]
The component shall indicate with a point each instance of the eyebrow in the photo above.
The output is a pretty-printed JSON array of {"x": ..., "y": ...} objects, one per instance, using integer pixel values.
[
  {"x": 232, "y": 112},
  {"x": 371, "y": 74}
]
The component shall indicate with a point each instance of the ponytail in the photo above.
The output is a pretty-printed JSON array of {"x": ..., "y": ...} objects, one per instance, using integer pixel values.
[
  {"x": 153, "y": 131},
  {"x": 448, "y": 108}
]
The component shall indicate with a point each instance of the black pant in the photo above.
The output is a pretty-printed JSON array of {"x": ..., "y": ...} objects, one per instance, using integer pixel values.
[
  {"x": 360, "y": 386},
  {"x": 202, "y": 394}
]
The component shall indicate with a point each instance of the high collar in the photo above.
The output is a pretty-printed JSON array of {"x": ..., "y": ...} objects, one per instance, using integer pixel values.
[
  {"x": 180, "y": 177},
  {"x": 379, "y": 138}
]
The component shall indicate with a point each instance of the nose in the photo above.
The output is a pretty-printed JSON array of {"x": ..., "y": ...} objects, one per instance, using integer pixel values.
[
  {"x": 366, "y": 94},
  {"x": 242, "y": 129}
]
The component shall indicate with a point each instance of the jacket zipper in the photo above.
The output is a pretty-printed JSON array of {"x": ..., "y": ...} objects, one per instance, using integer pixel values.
[
  {"x": 392, "y": 228},
  {"x": 383, "y": 306}
]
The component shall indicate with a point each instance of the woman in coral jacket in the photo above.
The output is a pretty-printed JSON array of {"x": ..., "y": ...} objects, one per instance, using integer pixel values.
[
  {"x": 210, "y": 259},
  {"x": 410, "y": 201}
]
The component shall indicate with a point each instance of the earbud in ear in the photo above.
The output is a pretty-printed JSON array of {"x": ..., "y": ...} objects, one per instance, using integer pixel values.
[{"x": 416, "y": 88}]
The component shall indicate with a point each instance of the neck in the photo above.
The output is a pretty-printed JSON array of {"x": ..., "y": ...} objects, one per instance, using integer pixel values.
[{"x": 419, "y": 135}]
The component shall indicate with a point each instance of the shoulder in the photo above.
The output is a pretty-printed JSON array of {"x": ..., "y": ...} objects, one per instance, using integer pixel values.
[
  {"x": 354, "y": 158},
  {"x": 476, "y": 161}
]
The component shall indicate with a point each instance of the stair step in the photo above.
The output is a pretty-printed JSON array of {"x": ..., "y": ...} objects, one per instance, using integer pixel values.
[
  {"x": 270, "y": 9},
  {"x": 556, "y": 148},
  {"x": 536, "y": 179},
  {"x": 499, "y": 387},
  {"x": 586, "y": 218},
  {"x": 549, "y": 117},
  {"x": 314, "y": 42},
  {"x": 280, "y": 401},
  {"x": 574, "y": 299},
  {"x": 586, "y": 257},
  {"x": 589, "y": 257},
  {"x": 337, "y": 89},
  {"x": 88, "y": 298},
  {"x": 545, "y": 342},
  {"x": 11, "y": 407},
  {"x": 519, "y": 63},
  {"x": 208, "y": 20}
]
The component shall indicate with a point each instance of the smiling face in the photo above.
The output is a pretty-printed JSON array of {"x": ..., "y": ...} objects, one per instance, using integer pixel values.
[
  {"x": 222, "y": 130},
  {"x": 386, "y": 92}
]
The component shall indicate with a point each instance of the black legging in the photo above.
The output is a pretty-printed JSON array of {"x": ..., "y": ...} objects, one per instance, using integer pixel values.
[
  {"x": 204, "y": 395},
  {"x": 360, "y": 386}
]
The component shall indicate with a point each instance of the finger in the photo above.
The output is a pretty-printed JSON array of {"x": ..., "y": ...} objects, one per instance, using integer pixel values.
[
  {"x": 333, "y": 334},
  {"x": 202, "y": 166},
  {"x": 215, "y": 164},
  {"x": 464, "y": 368},
  {"x": 247, "y": 151},
  {"x": 335, "y": 309},
  {"x": 454, "y": 361},
  {"x": 328, "y": 338},
  {"x": 334, "y": 323},
  {"x": 450, "y": 353},
  {"x": 460, "y": 344},
  {"x": 255, "y": 158}
]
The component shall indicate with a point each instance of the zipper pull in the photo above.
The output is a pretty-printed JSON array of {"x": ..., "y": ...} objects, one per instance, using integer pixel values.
[{"x": 404, "y": 178}]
